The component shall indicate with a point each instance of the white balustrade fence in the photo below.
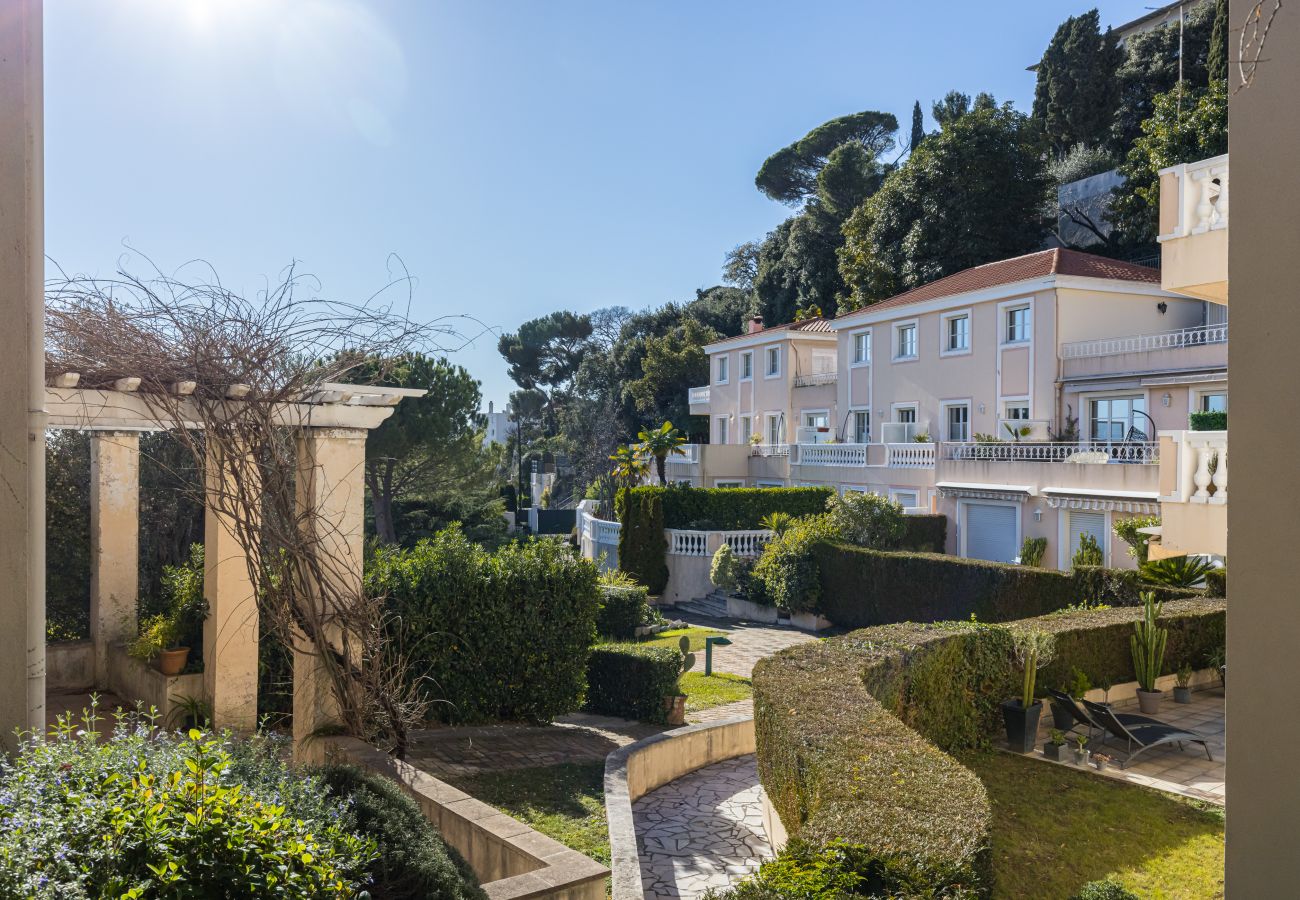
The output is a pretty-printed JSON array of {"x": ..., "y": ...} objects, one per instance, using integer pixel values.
[
  {"x": 1141, "y": 343},
  {"x": 1202, "y": 197},
  {"x": 1202, "y": 461},
  {"x": 687, "y": 543},
  {"x": 766, "y": 450},
  {"x": 689, "y": 456},
  {"x": 749, "y": 544},
  {"x": 801, "y": 381},
  {"x": 607, "y": 532},
  {"x": 832, "y": 454},
  {"x": 698, "y": 395},
  {"x": 910, "y": 456},
  {"x": 1078, "y": 451}
]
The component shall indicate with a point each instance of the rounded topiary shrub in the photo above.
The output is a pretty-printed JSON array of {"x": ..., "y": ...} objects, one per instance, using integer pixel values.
[{"x": 413, "y": 862}]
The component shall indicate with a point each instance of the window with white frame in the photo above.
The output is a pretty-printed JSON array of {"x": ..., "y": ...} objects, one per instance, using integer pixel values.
[
  {"x": 747, "y": 365},
  {"x": 720, "y": 430},
  {"x": 905, "y": 341},
  {"x": 773, "y": 428},
  {"x": 1016, "y": 409},
  {"x": 1113, "y": 418},
  {"x": 723, "y": 370},
  {"x": 905, "y": 499},
  {"x": 862, "y": 426},
  {"x": 957, "y": 418},
  {"x": 773, "y": 357},
  {"x": 905, "y": 414},
  {"x": 1213, "y": 401},
  {"x": 956, "y": 333},
  {"x": 746, "y": 428},
  {"x": 1017, "y": 324},
  {"x": 816, "y": 418},
  {"x": 862, "y": 348}
]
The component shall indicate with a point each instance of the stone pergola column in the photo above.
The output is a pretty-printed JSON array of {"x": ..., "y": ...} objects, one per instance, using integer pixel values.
[
  {"x": 114, "y": 542},
  {"x": 230, "y": 634},
  {"x": 331, "y": 487}
]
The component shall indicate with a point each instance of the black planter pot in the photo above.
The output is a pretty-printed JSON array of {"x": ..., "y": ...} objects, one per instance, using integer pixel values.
[
  {"x": 1053, "y": 751},
  {"x": 1022, "y": 724},
  {"x": 1062, "y": 718}
]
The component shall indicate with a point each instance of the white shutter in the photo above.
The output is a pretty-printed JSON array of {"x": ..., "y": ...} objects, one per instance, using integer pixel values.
[
  {"x": 991, "y": 532},
  {"x": 1081, "y": 523}
]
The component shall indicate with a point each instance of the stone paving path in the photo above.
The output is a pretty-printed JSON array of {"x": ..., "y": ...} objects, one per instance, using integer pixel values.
[
  {"x": 750, "y": 642},
  {"x": 704, "y": 830}
]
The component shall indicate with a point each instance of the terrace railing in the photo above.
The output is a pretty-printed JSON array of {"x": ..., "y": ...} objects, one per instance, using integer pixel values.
[
  {"x": 1202, "y": 197},
  {"x": 910, "y": 456},
  {"x": 802, "y": 381},
  {"x": 1145, "y": 453},
  {"x": 697, "y": 395},
  {"x": 689, "y": 456},
  {"x": 832, "y": 455},
  {"x": 1142, "y": 343},
  {"x": 748, "y": 544}
]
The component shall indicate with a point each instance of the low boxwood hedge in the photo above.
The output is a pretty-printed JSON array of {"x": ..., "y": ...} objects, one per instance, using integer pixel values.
[
  {"x": 631, "y": 680},
  {"x": 925, "y": 534},
  {"x": 859, "y": 588},
  {"x": 622, "y": 609},
  {"x": 849, "y": 729}
]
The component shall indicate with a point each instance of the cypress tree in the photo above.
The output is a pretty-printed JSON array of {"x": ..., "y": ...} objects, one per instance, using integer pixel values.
[
  {"x": 1217, "y": 63},
  {"x": 918, "y": 126},
  {"x": 1077, "y": 92}
]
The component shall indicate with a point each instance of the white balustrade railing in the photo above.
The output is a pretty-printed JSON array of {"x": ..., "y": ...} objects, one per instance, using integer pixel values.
[
  {"x": 1077, "y": 451},
  {"x": 687, "y": 543},
  {"x": 606, "y": 532},
  {"x": 747, "y": 544},
  {"x": 698, "y": 395},
  {"x": 1202, "y": 197},
  {"x": 1142, "y": 343},
  {"x": 801, "y": 381},
  {"x": 769, "y": 450},
  {"x": 832, "y": 454},
  {"x": 910, "y": 456},
  {"x": 689, "y": 456},
  {"x": 1201, "y": 458}
]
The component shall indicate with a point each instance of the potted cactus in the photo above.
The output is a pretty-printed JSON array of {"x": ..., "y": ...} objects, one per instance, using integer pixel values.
[
  {"x": 1052, "y": 749},
  {"x": 1033, "y": 650},
  {"x": 1147, "y": 644},
  {"x": 675, "y": 705},
  {"x": 1183, "y": 684},
  {"x": 1080, "y": 750}
]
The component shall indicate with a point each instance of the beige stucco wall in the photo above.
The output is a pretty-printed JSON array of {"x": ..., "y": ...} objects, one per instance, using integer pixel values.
[
  {"x": 1197, "y": 264},
  {"x": 1194, "y": 528},
  {"x": 114, "y": 542},
  {"x": 1086, "y": 315},
  {"x": 760, "y": 395}
]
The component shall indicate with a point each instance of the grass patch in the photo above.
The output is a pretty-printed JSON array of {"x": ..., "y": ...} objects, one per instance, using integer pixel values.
[
  {"x": 565, "y": 802},
  {"x": 703, "y": 691},
  {"x": 1055, "y": 829},
  {"x": 673, "y": 638}
]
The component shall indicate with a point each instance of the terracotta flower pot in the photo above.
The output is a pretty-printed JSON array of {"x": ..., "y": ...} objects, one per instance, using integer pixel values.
[
  {"x": 676, "y": 709},
  {"x": 172, "y": 662}
]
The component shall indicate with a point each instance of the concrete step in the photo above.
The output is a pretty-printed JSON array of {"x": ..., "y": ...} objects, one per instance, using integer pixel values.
[{"x": 712, "y": 606}]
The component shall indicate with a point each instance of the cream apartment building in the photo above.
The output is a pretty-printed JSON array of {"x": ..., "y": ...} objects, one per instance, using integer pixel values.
[{"x": 1022, "y": 398}]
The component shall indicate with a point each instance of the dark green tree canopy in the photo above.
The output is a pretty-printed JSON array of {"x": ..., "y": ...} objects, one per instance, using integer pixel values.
[
  {"x": 1077, "y": 91},
  {"x": 973, "y": 193},
  {"x": 1217, "y": 57},
  {"x": 955, "y": 104},
  {"x": 918, "y": 127},
  {"x": 790, "y": 174},
  {"x": 672, "y": 364},
  {"x": 546, "y": 352}
]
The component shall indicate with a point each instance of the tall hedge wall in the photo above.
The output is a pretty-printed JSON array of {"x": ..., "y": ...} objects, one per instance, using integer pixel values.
[
  {"x": 727, "y": 509},
  {"x": 861, "y": 588},
  {"x": 642, "y": 547},
  {"x": 490, "y": 636},
  {"x": 925, "y": 534},
  {"x": 849, "y": 729}
]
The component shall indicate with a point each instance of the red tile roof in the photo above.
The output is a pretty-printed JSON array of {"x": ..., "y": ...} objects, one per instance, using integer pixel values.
[
  {"x": 1057, "y": 261},
  {"x": 817, "y": 325}
]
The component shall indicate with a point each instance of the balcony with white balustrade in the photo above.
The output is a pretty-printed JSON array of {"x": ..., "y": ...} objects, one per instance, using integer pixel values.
[
  {"x": 1193, "y": 492},
  {"x": 698, "y": 399},
  {"x": 1194, "y": 229},
  {"x": 1199, "y": 347}
]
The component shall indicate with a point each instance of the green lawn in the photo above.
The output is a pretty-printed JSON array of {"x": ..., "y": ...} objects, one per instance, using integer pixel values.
[
  {"x": 703, "y": 691},
  {"x": 1056, "y": 829},
  {"x": 672, "y": 638},
  {"x": 566, "y": 802}
]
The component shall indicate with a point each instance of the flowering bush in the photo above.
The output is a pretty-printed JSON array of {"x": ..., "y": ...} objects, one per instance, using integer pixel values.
[{"x": 128, "y": 812}]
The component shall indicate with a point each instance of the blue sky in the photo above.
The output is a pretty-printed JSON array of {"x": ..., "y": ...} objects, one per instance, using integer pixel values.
[{"x": 518, "y": 157}]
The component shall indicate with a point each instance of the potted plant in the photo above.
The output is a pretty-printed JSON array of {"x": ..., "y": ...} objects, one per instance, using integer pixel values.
[
  {"x": 1147, "y": 644},
  {"x": 1052, "y": 749},
  {"x": 675, "y": 705},
  {"x": 1100, "y": 760},
  {"x": 168, "y": 636},
  {"x": 1183, "y": 684},
  {"x": 1033, "y": 650},
  {"x": 157, "y": 642},
  {"x": 1080, "y": 750},
  {"x": 1076, "y": 687}
]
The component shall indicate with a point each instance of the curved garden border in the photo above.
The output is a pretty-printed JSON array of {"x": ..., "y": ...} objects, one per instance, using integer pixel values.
[
  {"x": 851, "y": 731},
  {"x": 633, "y": 771}
]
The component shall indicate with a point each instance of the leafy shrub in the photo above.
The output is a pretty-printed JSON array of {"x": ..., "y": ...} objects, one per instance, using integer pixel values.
[
  {"x": 727, "y": 508},
  {"x": 642, "y": 547},
  {"x": 776, "y": 522},
  {"x": 1080, "y": 161},
  {"x": 868, "y": 520},
  {"x": 185, "y": 609},
  {"x": 722, "y": 570},
  {"x": 1088, "y": 553},
  {"x": 631, "y": 680},
  {"x": 1104, "y": 890},
  {"x": 1208, "y": 421},
  {"x": 499, "y": 635},
  {"x": 413, "y": 862},
  {"x": 786, "y": 574},
  {"x": 1216, "y": 583},
  {"x": 622, "y": 609},
  {"x": 149, "y": 814},
  {"x": 1127, "y": 531},
  {"x": 1176, "y": 571},
  {"x": 1032, "y": 551},
  {"x": 925, "y": 534},
  {"x": 1119, "y": 587}
]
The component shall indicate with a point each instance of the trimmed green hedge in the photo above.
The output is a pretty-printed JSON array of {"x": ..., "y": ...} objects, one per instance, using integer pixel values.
[
  {"x": 642, "y": 547},
  {"x": 849, "y": 729},
  {"x": 925, "y": 534},
  {"x": 1216, "y": 583},
  {"x": 414, "y": 862},
  {"x": 860, "y": 587},
  {"x": 1208, "y": 421},
  {"x": 632, "y": 680},
  {"x": 622, "y": 609},
  {"x": 490, "y": 636}
]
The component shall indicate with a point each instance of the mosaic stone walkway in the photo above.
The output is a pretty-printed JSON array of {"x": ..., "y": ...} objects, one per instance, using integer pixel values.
[{"x": 704, "y": 830}]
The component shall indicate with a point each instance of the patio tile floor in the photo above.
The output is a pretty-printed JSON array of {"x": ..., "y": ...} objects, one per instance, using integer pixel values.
[{"x": 1166, "y": 768}]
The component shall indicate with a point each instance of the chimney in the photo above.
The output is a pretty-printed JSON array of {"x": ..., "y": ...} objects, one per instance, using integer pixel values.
[
  {"x": 489, "y": 407},
  {"x": 756, "y": 325}
]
